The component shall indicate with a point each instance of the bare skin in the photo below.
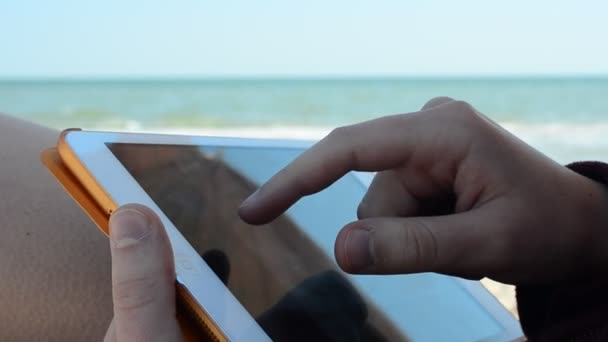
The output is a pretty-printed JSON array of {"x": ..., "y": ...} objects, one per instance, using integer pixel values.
[
  {"x": 55, "y": 265},
  {"x": 54, "y": 262},
  {"x": 455, "y": 194}
]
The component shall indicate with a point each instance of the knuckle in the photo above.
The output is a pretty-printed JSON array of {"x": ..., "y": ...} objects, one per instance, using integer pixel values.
[
  {"x": 348, "y": 157},
  {"x": 134, "y": 294},
  {"x": 420, "y": 244},
  {"x": 464, "y": 110},
  {"x": 437, "y": 101},
  {"x": 340, "y": 133},
  {"x": 363, "y": 210},
  {"x": 462, "y": 106},
  {"x": 465, "y": 115}
]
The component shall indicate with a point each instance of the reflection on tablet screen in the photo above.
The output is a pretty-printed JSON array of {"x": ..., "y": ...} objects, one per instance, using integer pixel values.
[{"x": 284, "y": 273}]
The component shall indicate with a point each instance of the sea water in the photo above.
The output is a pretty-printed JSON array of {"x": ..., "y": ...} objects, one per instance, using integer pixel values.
[{"x": 566, "y": 118}]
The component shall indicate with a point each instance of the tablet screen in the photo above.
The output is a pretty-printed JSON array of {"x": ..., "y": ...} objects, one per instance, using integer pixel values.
[{"x": 284, "y": 273}]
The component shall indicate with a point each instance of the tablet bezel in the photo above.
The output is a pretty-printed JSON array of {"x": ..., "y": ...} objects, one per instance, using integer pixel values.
[{"x": 224, "y": 309}]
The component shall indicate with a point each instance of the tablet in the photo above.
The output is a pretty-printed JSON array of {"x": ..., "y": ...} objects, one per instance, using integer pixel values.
[{"x": 279, "y": 281}]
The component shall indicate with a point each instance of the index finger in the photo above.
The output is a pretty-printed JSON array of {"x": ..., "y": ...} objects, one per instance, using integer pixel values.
[{"x": 374, "y": 145}]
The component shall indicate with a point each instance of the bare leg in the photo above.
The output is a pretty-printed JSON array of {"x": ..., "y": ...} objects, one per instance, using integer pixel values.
[{"x": 54, "y": 263}]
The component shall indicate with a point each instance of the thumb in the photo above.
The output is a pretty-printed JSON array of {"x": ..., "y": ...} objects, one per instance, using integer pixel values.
[
  {"x": 143, "y": 277},
  {"x": 448, "y": 244}
]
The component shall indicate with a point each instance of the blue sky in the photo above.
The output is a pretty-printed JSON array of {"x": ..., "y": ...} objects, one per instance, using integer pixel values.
[{"x": 230, "y": 38}]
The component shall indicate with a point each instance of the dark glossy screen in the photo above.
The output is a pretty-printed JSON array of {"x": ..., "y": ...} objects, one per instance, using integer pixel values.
[
  {"x": 284, "y": 273},
  {"x": 277, "y": 272}
]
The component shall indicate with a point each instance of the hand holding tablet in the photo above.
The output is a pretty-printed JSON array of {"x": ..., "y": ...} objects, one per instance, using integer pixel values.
[
  {"x": 143, "y": 278},
  {"x": 143, "y": 289},
  {"x": 442, "y": 202}
]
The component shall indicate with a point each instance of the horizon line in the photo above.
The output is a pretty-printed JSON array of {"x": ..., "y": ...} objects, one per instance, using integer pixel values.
[{"x": 296, "y": 77}]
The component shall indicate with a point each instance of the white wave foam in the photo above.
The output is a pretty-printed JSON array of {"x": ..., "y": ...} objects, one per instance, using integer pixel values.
[
  {"x": 565, "y": 142},
  {"x": 593, "y": 134}
]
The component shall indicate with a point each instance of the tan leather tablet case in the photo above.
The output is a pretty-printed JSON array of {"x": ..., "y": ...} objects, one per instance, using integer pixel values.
[{"x": 192, "y": 326}]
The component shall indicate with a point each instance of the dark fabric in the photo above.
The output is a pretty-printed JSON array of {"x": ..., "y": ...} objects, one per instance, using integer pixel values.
[
  {"x": 572, "y": 311},
  {"x": 597, "y": 171},
  {"x": 576, "y": 311}
]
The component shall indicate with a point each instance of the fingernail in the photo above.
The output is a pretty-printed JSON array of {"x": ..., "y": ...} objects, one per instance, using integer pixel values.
[
  {"x": 249, "y": 199},
  {"x": 358, "y": 249},
  {"x": 128, "y": 227}
]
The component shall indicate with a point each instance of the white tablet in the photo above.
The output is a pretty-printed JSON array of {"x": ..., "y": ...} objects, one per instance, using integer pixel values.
[{"x": 278, "y": 281}]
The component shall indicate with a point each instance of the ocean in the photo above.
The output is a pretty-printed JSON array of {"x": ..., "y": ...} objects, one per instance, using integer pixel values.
[{"x": 566, "y": 118}]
